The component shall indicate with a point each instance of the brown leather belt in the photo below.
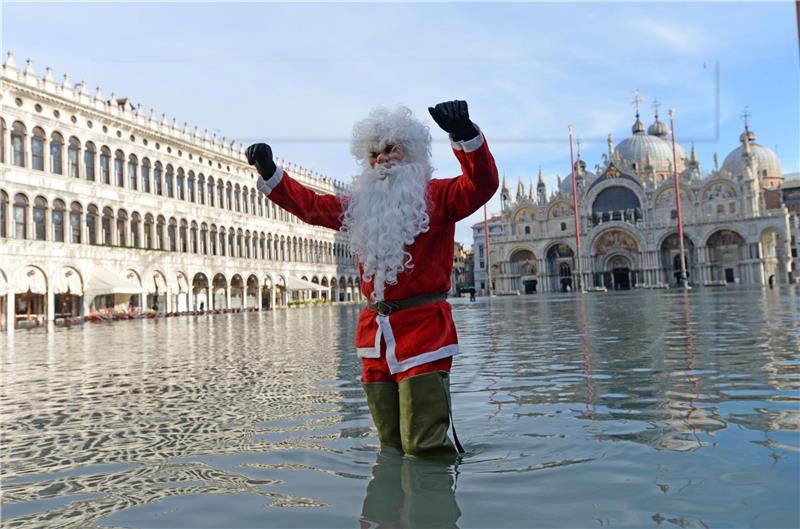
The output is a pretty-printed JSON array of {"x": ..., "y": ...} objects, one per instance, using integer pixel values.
[{"x": 384, "y": 308}]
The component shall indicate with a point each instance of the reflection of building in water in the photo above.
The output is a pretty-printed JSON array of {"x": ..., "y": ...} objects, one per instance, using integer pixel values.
[
  {"x": 737, "y": 228},
  {"x": 103, "y": 205}
]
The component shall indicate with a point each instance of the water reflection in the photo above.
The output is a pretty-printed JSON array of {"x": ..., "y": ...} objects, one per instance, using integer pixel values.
[
  {"x": 633, "y": 409},
  {"x": 407, "y": 492}
]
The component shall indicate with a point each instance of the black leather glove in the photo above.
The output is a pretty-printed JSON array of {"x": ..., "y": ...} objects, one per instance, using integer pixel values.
[
  {"x": 260, "y": 156},
  {"x": 453, "y": 118}
]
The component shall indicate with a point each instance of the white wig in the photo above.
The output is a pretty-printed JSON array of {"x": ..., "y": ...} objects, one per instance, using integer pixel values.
[{"x": 399, "y": 127}]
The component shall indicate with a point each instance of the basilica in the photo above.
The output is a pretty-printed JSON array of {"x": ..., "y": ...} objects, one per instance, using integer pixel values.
[{"x": 737, "y": 229}]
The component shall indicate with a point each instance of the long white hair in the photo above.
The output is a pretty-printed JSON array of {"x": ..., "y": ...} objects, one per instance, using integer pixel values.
[{"x": 388, "y": 206}]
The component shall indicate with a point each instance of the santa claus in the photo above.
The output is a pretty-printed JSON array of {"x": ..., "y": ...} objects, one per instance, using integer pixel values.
[{"x": 401, "y": 224}]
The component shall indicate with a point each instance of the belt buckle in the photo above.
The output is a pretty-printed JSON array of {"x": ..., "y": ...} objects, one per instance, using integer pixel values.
[{"x": 383, "y": 308}]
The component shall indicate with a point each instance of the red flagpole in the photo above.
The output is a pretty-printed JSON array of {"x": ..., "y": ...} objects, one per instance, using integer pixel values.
[
  {"x": 575, "y": 213},
  {"x": 486, "y": 238},
  {"x": 678, "y": 202}
]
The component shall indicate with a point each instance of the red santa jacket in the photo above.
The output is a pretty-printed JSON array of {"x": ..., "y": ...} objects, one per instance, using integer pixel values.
[{"x": 422, "y": 334}]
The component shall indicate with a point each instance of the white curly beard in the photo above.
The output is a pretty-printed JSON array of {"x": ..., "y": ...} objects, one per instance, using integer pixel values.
[{"x": 386, "y": 211}]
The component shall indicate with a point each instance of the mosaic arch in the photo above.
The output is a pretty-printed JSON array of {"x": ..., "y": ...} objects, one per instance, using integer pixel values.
[
  {"x": 615, "y": 240},
  {"x": 666, "y": 198},
  {"x": 558, "y": 210},
  {"x": 524, "y": 215},
  {"x": 523, "y": 262}
]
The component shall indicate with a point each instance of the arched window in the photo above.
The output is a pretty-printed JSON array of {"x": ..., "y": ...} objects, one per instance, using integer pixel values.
[
  {"x": 232, "y": 243},
  {"x": 57, "y": 219},
  {"x": 145, "y": 175},
  {"x": 18, "y": 134},
  {"x": 89, "y": 154},
  {"x": 172, "y": 235},
  {"x": 157, "y": 180},
  {"x": 119, "y": 167},
  {"x": 181, "y": 184},
  {"x": 221, "y": 194},
  {"x": 105, "y": 165},
  {"x": 160, "y": 222},
  {"x": 183, "y": 235},
  {"x": 229, "y": 196},
  {"x": 73, "y": 155},
  {"x": 222, "y": 243},
  {"x": 75, "y": 212},
  {"x": 193, "y": 237},
  {"x": 20, "y": 216},
  {"x": 190, "y": 188},
  {"x": 40, "y": 218},
  {"x": 203, "y": 238},
  {"x": 201, "y": 189},
  {"x": 122, "y": 229},
  {"x": 108, "y": 223},
  {"x": 136, "y": 221},
  {"x": 246, "y": 253},
  {"x": 237, "y": 199},
  {"x": 527, "y": 230},
  {"x": 37, "y": 148},
  {"x": 169, "y": 182},
  {"x": 148, "y": 231},
  {"x": 56, "y": 153},
  {"x": 210, "y": 186},
  {"x": 91, "y": 223},
  {"x": 260, "y": 206},
  {"x": 213, "y": 239},
  {"x": 245, "y": 208},
  {"x": 261, "y": 247},
  {"x": 133, "y": 163}
]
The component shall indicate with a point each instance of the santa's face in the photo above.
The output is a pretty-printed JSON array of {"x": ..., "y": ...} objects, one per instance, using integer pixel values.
[{"x": 391, "y": 154}]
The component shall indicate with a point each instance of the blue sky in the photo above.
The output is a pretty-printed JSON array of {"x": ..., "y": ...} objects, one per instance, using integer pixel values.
[{"x": 297, "y": 75}]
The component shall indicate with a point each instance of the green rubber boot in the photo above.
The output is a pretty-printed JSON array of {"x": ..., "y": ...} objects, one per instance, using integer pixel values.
[
  {"x": 425, "y": 417},
  {"x": 383, "y": 400}
]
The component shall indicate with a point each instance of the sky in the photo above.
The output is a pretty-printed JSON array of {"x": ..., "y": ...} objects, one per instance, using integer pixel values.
[{"x": 298, "y": 75}]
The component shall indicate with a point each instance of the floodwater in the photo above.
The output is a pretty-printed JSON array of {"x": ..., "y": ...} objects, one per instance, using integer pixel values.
[{"x": 636, "y": 409}]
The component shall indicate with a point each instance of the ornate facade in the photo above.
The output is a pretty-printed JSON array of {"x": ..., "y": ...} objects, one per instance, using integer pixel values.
[
  {"x": 103, "y": 206},
  {"x": 734, "y": 229}
]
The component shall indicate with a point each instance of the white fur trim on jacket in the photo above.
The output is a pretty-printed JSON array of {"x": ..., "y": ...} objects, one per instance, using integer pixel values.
[
  {"x": 469, "y": 145},
  {"x": 398, "y": 366},
  {"x": 266, "y": 186}
]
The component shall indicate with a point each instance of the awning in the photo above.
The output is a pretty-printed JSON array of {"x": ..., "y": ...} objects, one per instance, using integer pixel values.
[
  {"x": 68, "y": 281},
  {"x": 295, "y": 283},
  {"x": 104, "y": 281},
  {"x": 30, "y": 279}
]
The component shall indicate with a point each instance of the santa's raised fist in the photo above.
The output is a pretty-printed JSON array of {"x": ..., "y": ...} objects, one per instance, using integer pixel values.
[
  {"x": 453, "y": 118},
  {"x": 259, "y": 155}
]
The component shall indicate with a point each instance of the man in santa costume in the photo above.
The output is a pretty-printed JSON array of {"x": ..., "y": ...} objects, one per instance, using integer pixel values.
[{"x": 401, "y": 225}]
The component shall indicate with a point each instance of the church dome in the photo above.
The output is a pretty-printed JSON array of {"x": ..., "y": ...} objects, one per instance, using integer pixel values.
[
  {"x": 658, "y": 129},
  {"x": 580, "y": 172},
  {"x": 764, "y": 157},
  {"x": 640, "y": 148}
]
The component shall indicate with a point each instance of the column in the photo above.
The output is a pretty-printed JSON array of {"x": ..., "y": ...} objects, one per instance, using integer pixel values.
[
  {"x": 258, "y": 297},
  {"x": 169, "y": 299},
  {"x": 272, "y": 296},
  {"x": 228, "y": 297},
  {"x": 191, "y": 299}
]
